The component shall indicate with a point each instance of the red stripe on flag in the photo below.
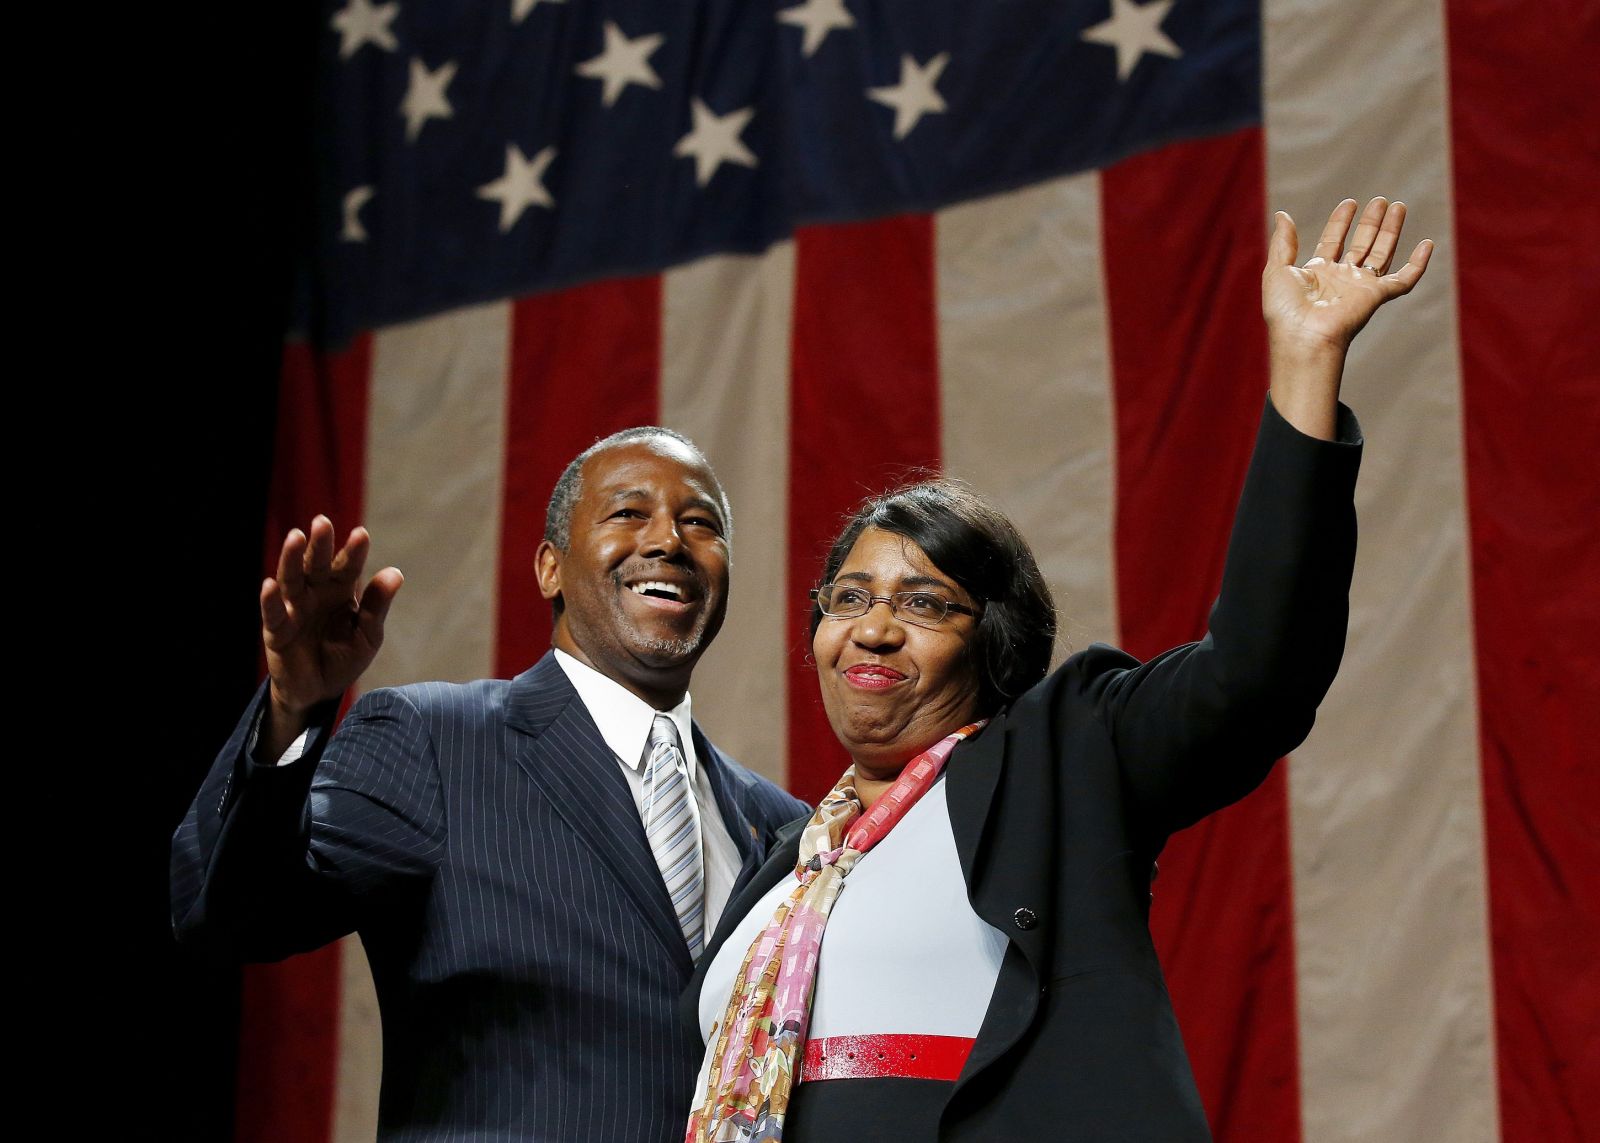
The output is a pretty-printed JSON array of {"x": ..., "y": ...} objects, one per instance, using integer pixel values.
[
  {"x": 1184, "y": 242},
  {"x": 585, "y": 363},
  {"x": 288, "y": 1049},
  {"x": 864, "y": 415},
  {"x": 1524, "y": 144},
  {"x": 289, "y": 1012},
  {"x": 320, "y": 449}
]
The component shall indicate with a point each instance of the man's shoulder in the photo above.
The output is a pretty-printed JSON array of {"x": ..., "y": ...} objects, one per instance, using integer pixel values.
[
  {"x": 479, "y": 697},
  {"x": 776, "y": 803}
]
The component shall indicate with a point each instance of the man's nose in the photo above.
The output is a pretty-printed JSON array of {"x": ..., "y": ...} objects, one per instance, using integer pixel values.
[{"x": 661, "y": 539}]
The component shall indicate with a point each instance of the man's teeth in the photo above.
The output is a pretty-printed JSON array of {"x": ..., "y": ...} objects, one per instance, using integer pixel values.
[{"x": 657, "y": 587}]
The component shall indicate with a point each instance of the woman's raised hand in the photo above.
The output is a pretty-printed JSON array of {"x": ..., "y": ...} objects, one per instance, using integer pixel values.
[
  {"x": 1314, "y": 311},
  {"x": 1340, "y": 287}
]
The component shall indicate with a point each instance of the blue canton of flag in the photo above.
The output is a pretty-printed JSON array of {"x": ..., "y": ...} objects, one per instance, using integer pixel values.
[{"x": 477, "y": 151}]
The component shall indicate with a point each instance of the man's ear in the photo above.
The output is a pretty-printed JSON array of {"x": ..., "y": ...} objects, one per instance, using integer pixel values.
[{"x": 547, "y": 566}]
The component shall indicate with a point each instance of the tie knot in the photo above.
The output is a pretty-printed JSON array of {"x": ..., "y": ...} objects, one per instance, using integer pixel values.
[{"x": 664, "y": 733}]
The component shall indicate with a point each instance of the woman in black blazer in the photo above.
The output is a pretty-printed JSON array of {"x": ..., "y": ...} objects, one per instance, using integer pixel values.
[{"x": 990, "y": 973}]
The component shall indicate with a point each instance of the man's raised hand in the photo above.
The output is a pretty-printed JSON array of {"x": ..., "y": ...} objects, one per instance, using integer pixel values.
[{"x": 321, "y": 630}]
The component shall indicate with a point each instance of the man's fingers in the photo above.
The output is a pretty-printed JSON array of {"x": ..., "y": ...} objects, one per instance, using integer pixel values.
[
  {"x": 1284, "y": 245},
  {"x": 375, "y": 603},
  {"x": 351, "y": 558},
  {"x": 319, "y": 547},
  {"x": 1411, "y": 273},
  {"x": 291, "y": 562},
  {"x": 1366, "y": 231},
  {"x": 1333, "y": 233},
  {"x": 274, "y": 612}
]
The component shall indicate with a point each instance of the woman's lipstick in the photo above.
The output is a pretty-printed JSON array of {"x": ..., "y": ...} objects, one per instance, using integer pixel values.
[{"x": 873, "y": 676}]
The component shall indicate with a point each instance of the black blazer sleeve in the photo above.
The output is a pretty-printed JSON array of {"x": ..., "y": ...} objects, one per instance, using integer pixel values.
[
  {"x": 273, "y": 860},
  {"x": 1198, "y": 727}
]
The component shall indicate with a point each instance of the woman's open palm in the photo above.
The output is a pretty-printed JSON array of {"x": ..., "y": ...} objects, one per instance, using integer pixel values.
[{"x": 1340, "y": 287}]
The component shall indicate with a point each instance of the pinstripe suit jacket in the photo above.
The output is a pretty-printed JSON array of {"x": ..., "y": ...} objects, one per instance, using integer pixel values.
[{"x": 484, "y": 843}]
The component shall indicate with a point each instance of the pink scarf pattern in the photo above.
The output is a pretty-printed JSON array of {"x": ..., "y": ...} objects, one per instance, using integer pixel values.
[{"x": 761, "y": 1037}]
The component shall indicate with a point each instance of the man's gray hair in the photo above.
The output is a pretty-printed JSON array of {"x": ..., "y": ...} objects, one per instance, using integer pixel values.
[{"x": 558, "y": 517}]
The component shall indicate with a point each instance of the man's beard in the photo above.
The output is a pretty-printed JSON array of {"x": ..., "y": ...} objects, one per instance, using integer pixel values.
[
  {"x": 674, "y": 649},
  {"x": 669, "y": 650}
]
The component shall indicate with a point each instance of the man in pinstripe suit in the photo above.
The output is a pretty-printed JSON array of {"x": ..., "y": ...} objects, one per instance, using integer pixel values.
[{"x": 486, "y": 839}]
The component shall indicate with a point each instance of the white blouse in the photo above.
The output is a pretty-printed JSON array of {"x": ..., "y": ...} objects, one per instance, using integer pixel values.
[{"x": 903, "y": 952}]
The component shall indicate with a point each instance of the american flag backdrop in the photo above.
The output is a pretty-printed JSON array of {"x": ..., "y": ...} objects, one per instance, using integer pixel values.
[{"x": 1019, "y": 241}]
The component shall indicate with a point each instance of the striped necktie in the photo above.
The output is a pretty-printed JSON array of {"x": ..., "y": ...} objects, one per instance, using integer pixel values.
[{"x": 671, "y": 824}]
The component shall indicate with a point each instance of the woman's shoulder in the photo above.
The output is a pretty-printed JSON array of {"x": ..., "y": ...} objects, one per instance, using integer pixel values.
[
  {"x": 1082, "y": 675},
  {"x": 1096, "y": 659},
  {"x": 1094, "y": 680},
  {"x": 1086, "y": 670}
]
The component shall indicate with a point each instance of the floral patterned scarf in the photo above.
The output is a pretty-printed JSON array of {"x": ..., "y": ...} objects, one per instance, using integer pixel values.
[{"x": 763, "y": 1031}]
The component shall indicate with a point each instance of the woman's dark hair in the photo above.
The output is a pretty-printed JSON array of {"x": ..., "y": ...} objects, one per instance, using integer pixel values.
[{"x": 974, "y": 544}]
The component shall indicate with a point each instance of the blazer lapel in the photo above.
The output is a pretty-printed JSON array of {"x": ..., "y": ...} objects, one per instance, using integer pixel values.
[
  {"x": 561, "y": 750},
  {"x": 972, "y": 776},
  {"x": 1000, "y": 872}
]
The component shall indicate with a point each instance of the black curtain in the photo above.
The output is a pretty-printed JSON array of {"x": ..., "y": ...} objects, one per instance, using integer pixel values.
[{"x": 220, "y": 102}]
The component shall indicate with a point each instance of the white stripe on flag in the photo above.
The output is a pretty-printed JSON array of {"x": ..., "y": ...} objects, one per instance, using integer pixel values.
[
  {"x": 725, "y": 383},
  {"x": 435, "y": 449},
  {"x": 355, "y": 1100},
  {"x": 1026, "y": 390},
  {"x": 1393, "y": 975},
  {"x": 435, "y": 442}
]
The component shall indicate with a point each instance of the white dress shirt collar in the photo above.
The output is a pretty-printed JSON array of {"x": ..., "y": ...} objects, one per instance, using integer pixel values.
[{"x": 623, "y": 718}]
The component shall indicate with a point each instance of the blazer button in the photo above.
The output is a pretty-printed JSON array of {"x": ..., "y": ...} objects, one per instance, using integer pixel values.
[{"x": 1025, "y": 919}]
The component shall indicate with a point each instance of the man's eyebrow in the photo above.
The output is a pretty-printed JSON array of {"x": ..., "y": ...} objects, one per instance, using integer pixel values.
[
  {"x": 622, "y": 494},
  {"x": 705, "y": 504}
]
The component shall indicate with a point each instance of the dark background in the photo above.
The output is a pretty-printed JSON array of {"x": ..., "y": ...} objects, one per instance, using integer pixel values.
[{"x": 219, "y": 104}]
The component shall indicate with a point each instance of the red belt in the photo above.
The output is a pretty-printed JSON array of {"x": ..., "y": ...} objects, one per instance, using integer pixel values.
[{"x": 875, "y": 1057}]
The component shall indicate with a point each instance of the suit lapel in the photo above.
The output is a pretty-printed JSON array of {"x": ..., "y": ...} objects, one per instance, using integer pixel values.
[
  {"x": 561, "y": 750},
  {"x": 745, "y": 838}
]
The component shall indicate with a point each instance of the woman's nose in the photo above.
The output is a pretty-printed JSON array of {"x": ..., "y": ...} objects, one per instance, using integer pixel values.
[{"x": 879, "y": 626}]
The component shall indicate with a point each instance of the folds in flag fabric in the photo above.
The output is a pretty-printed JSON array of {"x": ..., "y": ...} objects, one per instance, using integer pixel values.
[{"x": 840, "y": 241}]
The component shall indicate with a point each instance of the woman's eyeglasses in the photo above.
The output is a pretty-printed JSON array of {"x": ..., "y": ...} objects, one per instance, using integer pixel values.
[{"x": 922, "y": 608}]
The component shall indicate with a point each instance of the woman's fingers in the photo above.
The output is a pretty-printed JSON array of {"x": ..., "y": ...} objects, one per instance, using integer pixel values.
[
  {"x": 1284, "y": 245},
  {"x": 1410, "y": 274},
  {"x": 1388, "y": 238},
  {"x": 1332, "y": 240},
  {"x": 1367, "y": 231}
]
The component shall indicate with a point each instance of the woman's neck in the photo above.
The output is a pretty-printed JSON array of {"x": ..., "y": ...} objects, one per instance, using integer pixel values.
[
  {"x": 876, "y": 772},
  {"x": 869, "y": 790}
]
